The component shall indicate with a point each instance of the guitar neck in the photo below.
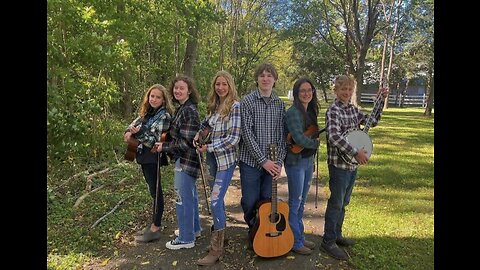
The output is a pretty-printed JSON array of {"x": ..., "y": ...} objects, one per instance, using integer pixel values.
[
  {"x": 274, "y": 201},
  {"x": 273, "y": 157}
]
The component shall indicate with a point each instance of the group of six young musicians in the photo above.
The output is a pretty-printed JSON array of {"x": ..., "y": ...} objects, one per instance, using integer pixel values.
[{"x": 240, "y": 133}]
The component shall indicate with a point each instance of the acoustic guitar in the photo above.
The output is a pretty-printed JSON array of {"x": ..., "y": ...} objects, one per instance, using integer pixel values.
[
  {"x": 133, "y": 143},
  {"x": 272, "y": 235},
  {"x": 131, "y": 151},
  {"x": 312, "y": 132}
]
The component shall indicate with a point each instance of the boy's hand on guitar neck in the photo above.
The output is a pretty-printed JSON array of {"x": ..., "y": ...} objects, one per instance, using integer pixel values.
[{"x": 272, "y": 168}]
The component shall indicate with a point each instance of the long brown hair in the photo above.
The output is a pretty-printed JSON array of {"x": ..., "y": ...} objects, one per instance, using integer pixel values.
[
  {"x": 214, "y": 99},
  {"x": 145, "y": 105},
  {"x": 313, "y": 105},
  {"x": 193, "y": 96}
]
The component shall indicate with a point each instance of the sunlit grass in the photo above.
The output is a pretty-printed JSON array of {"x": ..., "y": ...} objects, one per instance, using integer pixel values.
[{"x": 391, "y": 213}]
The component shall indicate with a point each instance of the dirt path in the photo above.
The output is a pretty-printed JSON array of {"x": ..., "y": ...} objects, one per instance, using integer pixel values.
[{"x": 237, "y": 255}]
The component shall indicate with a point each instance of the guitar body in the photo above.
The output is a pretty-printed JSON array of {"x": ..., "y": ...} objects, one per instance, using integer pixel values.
[
  {"x": 132, "y": 144},
  {"x": 131, "y": 151},
  {"x": 273, "y": 237}
]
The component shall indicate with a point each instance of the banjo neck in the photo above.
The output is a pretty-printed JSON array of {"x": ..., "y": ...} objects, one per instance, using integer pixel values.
[{"x": 376, "y": 107}]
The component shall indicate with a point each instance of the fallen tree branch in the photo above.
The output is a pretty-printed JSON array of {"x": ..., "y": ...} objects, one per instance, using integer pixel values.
[
  {"x": 81, "y": 198},
  {"x": 111, "y": 211},
  {"x": 88, "y": 186}
]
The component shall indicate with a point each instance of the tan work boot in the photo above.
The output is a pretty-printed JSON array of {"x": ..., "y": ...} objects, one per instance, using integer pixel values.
[{"x": 216, "y": 249}]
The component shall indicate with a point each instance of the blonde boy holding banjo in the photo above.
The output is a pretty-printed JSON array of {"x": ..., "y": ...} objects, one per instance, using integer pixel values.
[{"x": 348, "y": 146}]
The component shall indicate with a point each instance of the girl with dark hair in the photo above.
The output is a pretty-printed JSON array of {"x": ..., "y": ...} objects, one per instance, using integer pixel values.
[
  {"x": 185, "y": 125},
  {"x": 302, "y": 115}
]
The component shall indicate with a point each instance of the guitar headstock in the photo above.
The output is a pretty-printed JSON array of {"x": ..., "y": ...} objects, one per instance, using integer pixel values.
[{"x": 272, "y": 152}]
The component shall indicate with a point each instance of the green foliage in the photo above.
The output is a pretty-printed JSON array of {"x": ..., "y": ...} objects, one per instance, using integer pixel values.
[{"x": 70, "y": 239}]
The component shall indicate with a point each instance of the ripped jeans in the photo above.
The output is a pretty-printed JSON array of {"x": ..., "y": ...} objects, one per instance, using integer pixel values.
[
  {"x": 188, "y": 218},
  {"x": 219, "y": 188}
]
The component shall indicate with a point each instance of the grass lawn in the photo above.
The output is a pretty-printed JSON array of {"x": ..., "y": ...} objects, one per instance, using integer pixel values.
[{"x": 391, "y": 212}]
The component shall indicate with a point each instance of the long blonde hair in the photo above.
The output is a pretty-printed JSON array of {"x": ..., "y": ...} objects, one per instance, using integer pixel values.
[
  {"x": 167, "y": 103},
  {"x": 214, "y": 99}
]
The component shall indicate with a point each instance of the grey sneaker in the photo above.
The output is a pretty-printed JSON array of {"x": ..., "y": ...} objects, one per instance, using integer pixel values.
[
  {"x": 334, "y": 251},
  {"x": 142, "y": 232},
  {"x": 148, "y": 236}
]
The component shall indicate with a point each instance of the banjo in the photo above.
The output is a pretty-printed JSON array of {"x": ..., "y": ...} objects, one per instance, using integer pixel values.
[{"x": 358, "y": 138}]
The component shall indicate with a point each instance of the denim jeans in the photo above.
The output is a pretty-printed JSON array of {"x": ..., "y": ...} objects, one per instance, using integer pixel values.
[
  {"x": 341, "y": 185},
  {"x": 256, "y": 185},
  {"x": 186, "y": 205},
  {"x": 299, "y": 179},
  {"x": 219, "y": 188},
  {"x": 150, "y": 175}
]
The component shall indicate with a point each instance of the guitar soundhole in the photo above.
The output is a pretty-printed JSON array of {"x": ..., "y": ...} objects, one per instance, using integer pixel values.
[{"x": 280, "y": 224}]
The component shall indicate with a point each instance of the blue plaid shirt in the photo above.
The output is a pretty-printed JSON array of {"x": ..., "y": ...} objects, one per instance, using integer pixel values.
[
  {"x": 154, "y": 130},
  {"x": 263, "y": 123},
  {"x": 225, "y": 136}
]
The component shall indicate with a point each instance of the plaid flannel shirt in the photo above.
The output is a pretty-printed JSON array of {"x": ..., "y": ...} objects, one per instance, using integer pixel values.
[
  {"x": 153, "y": 134},
  {"x": 340, "y": 118},
  {"x": 296, "y": 127},
  {"x": 225, "y": 136},
  {"x": 263, "y": 123},
  {"x": 185, "y": 125}
]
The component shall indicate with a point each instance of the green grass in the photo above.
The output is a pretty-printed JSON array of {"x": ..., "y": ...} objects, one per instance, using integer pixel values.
[{"x": 391, "y": 212}]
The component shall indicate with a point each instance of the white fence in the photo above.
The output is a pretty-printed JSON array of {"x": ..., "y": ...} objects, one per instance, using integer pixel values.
[{"x": 398, "y": 100}]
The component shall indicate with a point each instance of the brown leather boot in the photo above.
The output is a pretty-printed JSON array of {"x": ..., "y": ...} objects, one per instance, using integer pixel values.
[{"x": 216, "y": 249}]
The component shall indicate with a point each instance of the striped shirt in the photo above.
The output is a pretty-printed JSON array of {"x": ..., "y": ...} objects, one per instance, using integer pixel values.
[
  {"x": 340, "y": 118},
  {"x": 225, "y": 134},
  {"x": 263, "y": 123}
]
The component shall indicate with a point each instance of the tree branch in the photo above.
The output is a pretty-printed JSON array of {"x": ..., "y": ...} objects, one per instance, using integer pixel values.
[{"x": 111, "y": 211}]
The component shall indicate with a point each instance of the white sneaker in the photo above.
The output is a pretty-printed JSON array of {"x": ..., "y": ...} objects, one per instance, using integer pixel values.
[
  {"x": 197, "y": 234},
  {"x": 173, "y": 244}
]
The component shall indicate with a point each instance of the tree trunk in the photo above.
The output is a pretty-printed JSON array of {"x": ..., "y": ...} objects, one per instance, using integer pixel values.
[
  {"x": 191, "y": 49},
  {"x": 429, "y": 107}
]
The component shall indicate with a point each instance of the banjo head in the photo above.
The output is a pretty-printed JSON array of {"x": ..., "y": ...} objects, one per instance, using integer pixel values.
[{"x": 360, "y": 140}]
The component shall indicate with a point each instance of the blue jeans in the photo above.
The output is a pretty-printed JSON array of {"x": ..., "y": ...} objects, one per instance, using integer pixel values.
[
  {"x": 341, "y": 185},
  {"x": 186, "y": 205},
  {"x": 299, "y": 179},
  {"x": 256, "y": 185},
  {"x": 219, "y": 189}
]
